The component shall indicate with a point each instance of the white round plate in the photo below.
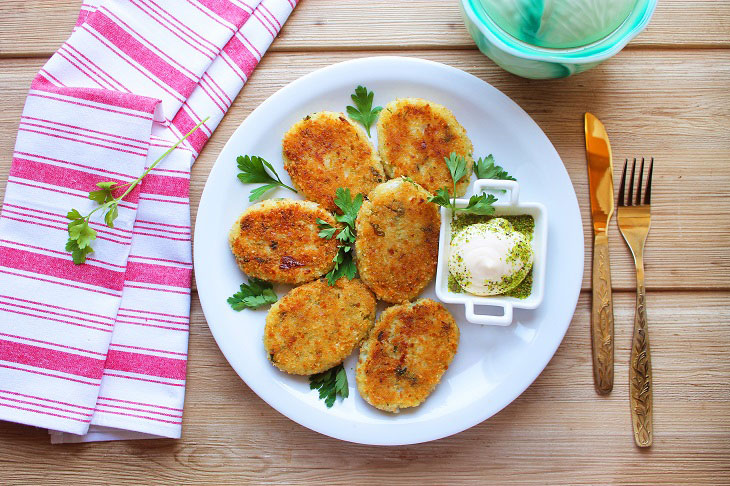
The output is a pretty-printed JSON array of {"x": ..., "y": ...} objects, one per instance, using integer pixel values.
[{"x": 493, "y": 364}]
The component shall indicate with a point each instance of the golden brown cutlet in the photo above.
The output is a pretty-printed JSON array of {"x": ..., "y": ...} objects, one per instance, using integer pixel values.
[{"x": 277, "y": 240}]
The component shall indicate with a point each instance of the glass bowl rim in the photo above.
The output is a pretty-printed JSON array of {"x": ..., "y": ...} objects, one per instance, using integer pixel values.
[{"x": 596, "y": 51}]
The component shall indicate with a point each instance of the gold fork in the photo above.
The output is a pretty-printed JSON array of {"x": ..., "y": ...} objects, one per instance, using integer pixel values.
[{"x": 634, "y": 220}]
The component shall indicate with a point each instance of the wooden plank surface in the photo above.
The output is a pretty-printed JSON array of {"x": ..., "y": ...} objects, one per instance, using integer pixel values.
[
  {"x": 376, "y": 24},
  {"x": 559, "y": 431},
  {"x": 665, "y": 96}
]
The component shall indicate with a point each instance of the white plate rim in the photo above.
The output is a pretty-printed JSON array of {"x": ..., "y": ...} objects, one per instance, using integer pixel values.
[{"x": 334, "y": 426}]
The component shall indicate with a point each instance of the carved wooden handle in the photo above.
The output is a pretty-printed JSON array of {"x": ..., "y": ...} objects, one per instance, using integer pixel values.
[
  {"x": 640, "y": 387},
  {"x": 602, "y": 317}
]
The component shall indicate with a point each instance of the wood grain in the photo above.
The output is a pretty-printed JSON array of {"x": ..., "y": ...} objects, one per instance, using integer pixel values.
[
  {"x": 559, "y": 431},
  {"x": 666, "y": 95},
  {"x": 378, "y": 24}
]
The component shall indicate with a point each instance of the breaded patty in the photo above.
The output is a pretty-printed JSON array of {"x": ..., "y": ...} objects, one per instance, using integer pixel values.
[
  {"x": 277, "y": 240},
  {"x": 315, "y": 327},
  {"x": 397, "y": 243},
  {"x": 415, "y": 135},
  {"x": 408, "y": 350},
  {"x": 325, "y": 151}
]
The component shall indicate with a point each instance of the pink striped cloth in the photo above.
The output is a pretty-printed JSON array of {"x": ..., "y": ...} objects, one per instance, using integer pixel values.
[{"x": 99, "y": 351}]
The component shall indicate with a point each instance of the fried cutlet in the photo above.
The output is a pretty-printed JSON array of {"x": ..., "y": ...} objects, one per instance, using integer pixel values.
[
  {"x": 325, "y": 151},
  {"x": 396, "y": 249},
  {"x": 414, "y": 136},
  {"x": 406, "y": 354},
  {"x": 316, "y": 326},
  {"x": 277, "y": 240}
]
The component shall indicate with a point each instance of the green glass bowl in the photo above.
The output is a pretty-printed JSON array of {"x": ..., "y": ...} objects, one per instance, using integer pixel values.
[{"x": 533, "y": 61}]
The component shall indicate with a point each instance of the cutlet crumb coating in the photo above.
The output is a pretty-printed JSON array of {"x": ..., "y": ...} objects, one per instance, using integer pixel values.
[
  {"x": 325, "y": 151},
  {"x": 396, "y": 249},
  {"x": 406, "y": 354},
  {"x": 316, "y": 326},
  {"x": 277, "y": 240},
  {"x": 414, "y": 136}
]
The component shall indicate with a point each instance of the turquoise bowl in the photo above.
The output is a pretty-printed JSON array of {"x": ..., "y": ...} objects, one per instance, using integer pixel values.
[{"x": 530, "y": 60}]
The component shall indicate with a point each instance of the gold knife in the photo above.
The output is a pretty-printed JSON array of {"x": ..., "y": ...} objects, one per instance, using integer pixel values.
[{"x": 600, "y": 178}]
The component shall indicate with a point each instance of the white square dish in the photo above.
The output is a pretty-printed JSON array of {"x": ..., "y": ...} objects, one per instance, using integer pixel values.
[{"x": 507, "y": 205}]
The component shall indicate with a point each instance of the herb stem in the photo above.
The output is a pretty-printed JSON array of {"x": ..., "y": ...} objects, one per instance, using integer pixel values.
[
  {"x": 159, "y": 159},
  {"x": 453, "y": 202},
  {"x": 284, "y": 185},
  {"x": 103, "y": 206}
]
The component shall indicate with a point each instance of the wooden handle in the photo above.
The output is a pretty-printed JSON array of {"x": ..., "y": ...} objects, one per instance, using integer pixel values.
[
  {"x": 640, "y": 387},
  {"x": 602, "y": 317}
]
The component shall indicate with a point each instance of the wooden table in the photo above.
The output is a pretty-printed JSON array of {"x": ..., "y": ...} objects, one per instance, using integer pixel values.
[{"x": 666, "y": 95}]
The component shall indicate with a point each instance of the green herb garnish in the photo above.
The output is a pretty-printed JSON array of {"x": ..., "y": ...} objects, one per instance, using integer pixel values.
[
  {"x": 326, "y": 230},
  {"x": 344, "y": 266},
  {"x": 363, "y": 110},
  {"x": 253, "y": 295},
  {"x": 350, "y": 206},
  {"x": 330, "y": 383},
  {"x": 253, "y": 170},
  {"x": 80, "y": 234},
  {"x": 486, "y": 169},
  {"x": 478, "y": 204}
]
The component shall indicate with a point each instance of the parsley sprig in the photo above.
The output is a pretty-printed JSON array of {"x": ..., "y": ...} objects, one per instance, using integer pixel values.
[
  {"x": 480, "y": 204},
  {"x": 330, "y": 383},
  {"x": 363, "y": 110},
  {"x": 486, "y": 169},
  {"x": 80, "y": 234},
  {"x": 253, "y": 295},
  {"x": 253, "y": 170},
  {"x": 350, "y": 206}
]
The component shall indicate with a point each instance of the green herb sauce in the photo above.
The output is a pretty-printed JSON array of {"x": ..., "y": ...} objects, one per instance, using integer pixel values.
[{"x": 525, "y": 224}]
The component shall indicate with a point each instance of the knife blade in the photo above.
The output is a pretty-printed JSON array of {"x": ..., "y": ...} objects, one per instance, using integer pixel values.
[{"x": 600, "y": 179}]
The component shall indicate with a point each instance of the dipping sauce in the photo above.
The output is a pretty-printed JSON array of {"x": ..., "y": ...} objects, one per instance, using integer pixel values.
[{"x": 491, "y": 255}]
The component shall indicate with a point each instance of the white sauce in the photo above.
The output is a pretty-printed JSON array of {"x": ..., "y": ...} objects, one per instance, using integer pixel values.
[{"x": 480, "y": 258}]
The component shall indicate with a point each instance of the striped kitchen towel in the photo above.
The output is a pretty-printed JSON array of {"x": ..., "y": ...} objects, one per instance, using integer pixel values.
[{"x": 98, "y": 351}]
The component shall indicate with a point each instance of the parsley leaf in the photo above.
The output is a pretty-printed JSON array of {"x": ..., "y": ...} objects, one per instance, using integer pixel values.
[
  {"x": 442, "y": 198},
  {"x": 363, "y": 110},
  {"x": 104, "y": 194},
  {"x": 253, "y": 170},
  {"x": 111, "y": 215},
  {"x": 80, "y": 234},
  {"x": 260, "y": 191},
  {"x": 330, "y": 383},
  {"x": 341, "y": 383},
  {"x": 344, "y": 266},
  {"x": 326, "y": 230},
  {"x": 346, "y": 235},
  {"x": 344, "y": 263},
  {"x": 457, "y": 167},
  {"x": 480, "y": 204},
  {"x": 255, "y": 294},
  {"x": 78, "y": 254},
  {"x": 486, "y": 169},
  {"x": 350, "y": 206}
]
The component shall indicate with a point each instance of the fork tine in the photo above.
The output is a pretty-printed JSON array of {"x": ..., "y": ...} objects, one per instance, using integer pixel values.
[
  {"x": 638, "y": 186},
  {"x": 622, "y": 186},
  {"x": 630, "y": 201},
  {"x": 647, "y": 193}
]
